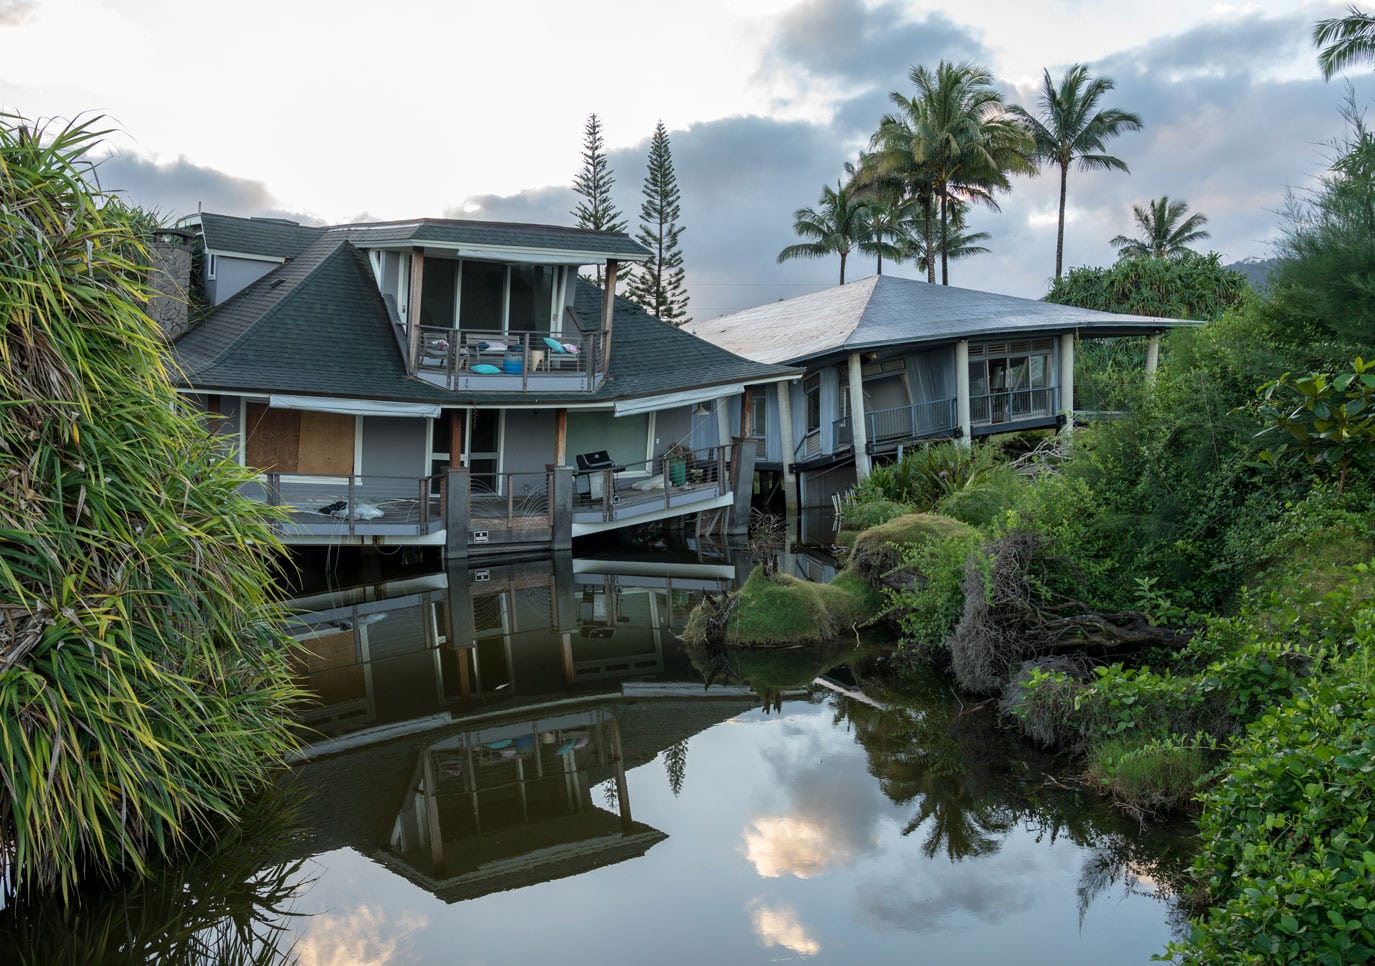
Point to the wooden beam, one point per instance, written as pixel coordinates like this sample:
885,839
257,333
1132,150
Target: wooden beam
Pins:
747,413
608,311
413,309
457,417
560,437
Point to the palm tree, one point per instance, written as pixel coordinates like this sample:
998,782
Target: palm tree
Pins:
955,134
838,226
1067,128
1344,41
958,243
1165,232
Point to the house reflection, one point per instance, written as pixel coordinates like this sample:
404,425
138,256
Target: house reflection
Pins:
495,638
511,805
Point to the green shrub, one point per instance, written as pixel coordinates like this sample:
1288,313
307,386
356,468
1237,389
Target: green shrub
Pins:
931,607
860,514
1288,845
783,610
880,549
928,473
986,500
1152,777
144,687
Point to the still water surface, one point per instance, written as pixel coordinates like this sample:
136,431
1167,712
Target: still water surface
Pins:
522,765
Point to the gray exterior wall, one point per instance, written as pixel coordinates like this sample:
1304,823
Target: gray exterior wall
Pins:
672,426
528,447
395,446
233,275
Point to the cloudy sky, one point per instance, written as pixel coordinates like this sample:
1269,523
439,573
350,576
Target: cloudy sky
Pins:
334,111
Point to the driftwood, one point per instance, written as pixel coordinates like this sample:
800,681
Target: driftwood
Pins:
1010,615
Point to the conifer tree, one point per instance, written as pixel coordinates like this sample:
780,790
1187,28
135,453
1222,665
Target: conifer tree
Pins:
657,283
596,210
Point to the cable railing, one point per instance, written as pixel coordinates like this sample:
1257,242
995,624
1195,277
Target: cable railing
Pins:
645,485
351,505
495,361
1011,405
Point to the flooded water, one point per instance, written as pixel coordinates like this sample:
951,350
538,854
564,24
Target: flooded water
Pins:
523,764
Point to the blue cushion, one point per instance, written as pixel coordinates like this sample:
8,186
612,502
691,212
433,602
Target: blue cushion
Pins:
556,347
484,369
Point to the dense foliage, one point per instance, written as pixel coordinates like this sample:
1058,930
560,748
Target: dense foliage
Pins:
1191,286
142,683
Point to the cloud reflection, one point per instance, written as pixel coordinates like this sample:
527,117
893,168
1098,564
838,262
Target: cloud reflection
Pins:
779,926
363,937
793,845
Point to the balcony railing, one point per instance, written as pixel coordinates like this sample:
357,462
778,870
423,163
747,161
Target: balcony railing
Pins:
332,506
480,361
672,479
1012,405
808,446
841,434
918,420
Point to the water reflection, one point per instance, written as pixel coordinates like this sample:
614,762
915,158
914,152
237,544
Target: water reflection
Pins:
522,764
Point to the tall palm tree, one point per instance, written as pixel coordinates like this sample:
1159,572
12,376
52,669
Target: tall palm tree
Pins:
959,242
1165,232
1067,128
1344,41
889,208
956,133
837,227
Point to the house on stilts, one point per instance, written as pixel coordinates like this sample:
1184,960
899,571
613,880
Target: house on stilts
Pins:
891,362
456,384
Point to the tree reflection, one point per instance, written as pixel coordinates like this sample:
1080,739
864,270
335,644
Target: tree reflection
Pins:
225,902
972,782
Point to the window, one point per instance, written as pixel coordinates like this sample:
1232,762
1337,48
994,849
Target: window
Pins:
1010,380
811,389
759,412
211,265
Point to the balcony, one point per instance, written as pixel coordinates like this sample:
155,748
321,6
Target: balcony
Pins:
1030,406
917,421
466,360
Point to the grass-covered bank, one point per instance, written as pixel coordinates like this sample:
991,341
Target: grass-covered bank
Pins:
143,687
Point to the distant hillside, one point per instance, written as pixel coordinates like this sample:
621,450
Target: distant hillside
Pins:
1256,270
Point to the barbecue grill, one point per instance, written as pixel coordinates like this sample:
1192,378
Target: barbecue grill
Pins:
590,479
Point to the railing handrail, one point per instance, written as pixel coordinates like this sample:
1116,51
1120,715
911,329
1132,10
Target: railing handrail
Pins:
457,345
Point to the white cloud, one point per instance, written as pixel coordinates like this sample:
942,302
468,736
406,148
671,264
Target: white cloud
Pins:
778,925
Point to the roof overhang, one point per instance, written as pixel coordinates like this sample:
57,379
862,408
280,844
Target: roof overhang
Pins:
504,253
353,407
689,397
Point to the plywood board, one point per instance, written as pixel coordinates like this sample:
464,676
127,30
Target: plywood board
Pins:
326,444
273,438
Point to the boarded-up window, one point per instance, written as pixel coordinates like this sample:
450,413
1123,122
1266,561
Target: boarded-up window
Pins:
292,441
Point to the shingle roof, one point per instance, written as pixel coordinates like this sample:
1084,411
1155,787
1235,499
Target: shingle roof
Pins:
883,310
257,236
317,325
446,231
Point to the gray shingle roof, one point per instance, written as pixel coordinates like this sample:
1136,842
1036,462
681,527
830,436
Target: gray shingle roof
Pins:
884,311
317,325
257,236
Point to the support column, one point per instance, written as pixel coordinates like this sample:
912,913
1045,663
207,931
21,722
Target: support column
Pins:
747,412
962,416
722,420
413,309
560,436
1152,353
456,514
1067,378
560,507
608,312
785,432
742,485
859,429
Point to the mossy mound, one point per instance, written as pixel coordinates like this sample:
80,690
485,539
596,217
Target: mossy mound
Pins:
776,610
879,549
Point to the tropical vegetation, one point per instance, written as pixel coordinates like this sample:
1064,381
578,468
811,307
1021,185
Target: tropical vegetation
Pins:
840,224
1069,127
144,687
1166,230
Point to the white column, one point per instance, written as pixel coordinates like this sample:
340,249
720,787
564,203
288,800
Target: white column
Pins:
1067,378
962,392
859,432
723,433
785,431
1152,353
